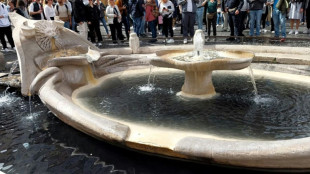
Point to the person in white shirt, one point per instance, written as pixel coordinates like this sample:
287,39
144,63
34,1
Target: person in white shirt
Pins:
166,9
64,12
35,10
49,10
5,28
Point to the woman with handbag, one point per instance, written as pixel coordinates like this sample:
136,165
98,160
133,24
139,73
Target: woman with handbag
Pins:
114,21
211,16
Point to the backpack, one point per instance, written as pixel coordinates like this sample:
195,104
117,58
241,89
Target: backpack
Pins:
57,8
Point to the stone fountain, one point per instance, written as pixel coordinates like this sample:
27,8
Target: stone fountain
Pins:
199,64
62,65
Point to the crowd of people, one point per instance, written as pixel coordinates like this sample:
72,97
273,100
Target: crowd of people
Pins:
162,16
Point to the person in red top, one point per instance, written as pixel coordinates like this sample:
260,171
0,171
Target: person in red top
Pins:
150,18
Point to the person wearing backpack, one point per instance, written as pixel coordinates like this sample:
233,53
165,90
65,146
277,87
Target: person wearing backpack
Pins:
64,12
5,28
36,10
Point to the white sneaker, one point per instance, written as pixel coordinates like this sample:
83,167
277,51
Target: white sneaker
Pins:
165,40
272,31
170,41
291,32
174,28
14,48
185,41
296,32
306,31
99,44
5,50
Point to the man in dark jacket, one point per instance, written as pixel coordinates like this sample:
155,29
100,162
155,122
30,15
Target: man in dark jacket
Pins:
306,8
136,8
233,7
80,17
256,10
36,10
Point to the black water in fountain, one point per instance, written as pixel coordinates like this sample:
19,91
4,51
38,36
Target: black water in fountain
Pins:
40,144
280,111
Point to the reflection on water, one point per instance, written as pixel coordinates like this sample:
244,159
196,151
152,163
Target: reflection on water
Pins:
40,143
280,111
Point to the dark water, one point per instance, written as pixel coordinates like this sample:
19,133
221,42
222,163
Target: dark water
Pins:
40,143
280,111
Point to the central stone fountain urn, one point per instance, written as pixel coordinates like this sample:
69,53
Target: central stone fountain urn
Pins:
199,64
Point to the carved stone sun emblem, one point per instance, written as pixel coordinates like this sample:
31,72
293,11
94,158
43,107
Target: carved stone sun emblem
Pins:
47,35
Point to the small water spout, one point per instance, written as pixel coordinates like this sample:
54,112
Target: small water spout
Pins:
14,66
29,100
253,80
199,41
150,73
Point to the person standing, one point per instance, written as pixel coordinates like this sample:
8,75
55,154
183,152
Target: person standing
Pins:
114,21
151,6
35,10
211,16
189,9
80,17
295,15
199,13
63,11
233,8
122,6
256,10
136,8
5,28
92,18
306,8
49,10
166,9
102,9
279,17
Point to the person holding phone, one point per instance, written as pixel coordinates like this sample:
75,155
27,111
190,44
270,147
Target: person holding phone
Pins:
166,9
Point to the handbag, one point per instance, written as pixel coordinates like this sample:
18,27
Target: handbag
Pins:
155,12
210,15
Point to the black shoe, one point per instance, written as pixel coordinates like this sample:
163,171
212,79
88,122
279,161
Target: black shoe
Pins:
230,39
153,40
114,41
237,40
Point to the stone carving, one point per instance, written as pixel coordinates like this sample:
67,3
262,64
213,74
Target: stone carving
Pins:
47,35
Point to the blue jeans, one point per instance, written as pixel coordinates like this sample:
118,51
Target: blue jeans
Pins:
142,24
219,19
153,28
255,19
104,24
137,25
67,25
199,17
279,19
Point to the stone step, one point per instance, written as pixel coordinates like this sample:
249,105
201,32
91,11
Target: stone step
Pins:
282,58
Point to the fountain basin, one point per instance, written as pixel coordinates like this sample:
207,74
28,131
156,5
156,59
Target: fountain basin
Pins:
190,145
198,73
